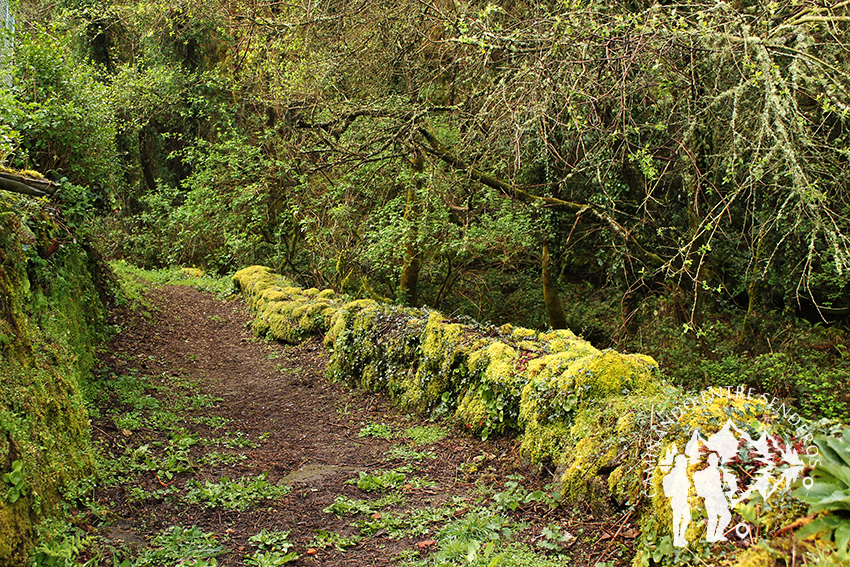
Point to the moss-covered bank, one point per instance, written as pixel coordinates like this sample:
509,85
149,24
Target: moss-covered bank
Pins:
603,419
52,316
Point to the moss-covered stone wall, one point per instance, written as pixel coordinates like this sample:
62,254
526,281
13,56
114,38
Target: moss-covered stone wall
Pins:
574,406
598,416
52,316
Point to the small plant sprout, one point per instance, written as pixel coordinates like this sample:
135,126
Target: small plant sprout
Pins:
379,430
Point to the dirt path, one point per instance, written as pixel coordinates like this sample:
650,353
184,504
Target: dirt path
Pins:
202,425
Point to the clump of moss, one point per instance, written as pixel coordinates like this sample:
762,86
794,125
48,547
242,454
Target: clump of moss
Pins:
284,311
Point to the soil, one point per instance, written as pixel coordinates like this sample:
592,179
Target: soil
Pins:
303,432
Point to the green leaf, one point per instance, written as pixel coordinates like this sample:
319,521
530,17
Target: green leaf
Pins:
817,526
842,538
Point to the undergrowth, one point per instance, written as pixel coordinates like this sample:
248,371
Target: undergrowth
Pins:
135,280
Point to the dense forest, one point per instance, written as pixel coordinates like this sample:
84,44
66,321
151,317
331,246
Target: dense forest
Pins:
659,177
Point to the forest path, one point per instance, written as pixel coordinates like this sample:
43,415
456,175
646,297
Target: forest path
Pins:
200,424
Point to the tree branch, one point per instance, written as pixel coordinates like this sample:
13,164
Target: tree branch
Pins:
25,185
436,148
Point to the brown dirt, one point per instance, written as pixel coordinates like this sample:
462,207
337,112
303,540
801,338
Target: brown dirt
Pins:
305,435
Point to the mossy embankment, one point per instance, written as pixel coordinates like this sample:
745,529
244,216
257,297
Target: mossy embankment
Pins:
598,417
53,290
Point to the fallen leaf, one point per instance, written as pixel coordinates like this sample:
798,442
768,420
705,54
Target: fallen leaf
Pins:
126,432
376,516
312,551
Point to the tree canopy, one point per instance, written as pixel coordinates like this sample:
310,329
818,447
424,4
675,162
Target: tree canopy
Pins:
477,157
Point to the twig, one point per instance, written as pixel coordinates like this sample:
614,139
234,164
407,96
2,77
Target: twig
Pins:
615,536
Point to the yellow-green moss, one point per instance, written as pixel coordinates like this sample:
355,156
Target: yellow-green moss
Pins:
564,340
495,361
16,533
52,325
285,312
709,414
443,350
584,461
759,556
471,411
340,320
542,442
253,279
520,334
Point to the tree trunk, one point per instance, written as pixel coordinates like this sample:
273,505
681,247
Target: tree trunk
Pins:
409,281
557,317
146,161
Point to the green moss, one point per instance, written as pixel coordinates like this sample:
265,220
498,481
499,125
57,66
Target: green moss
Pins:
563,340
285,312
16,533
54,316
472,410
519,334
442,361
542,442
759,556
253,279
708,415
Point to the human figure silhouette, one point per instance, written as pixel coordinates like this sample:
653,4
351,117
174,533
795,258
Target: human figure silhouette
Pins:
676,486
707,484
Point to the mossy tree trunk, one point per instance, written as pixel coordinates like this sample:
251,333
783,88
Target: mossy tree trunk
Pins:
554,308
409,281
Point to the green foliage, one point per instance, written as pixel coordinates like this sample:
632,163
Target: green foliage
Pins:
406,453
16,481
425,434
234,494
474,535
228,175
270,558
829,494
176,459
274,549
60,545
128,276
379,430
515,496
391,479
553,538
804,374
324,539
64,117
178,545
